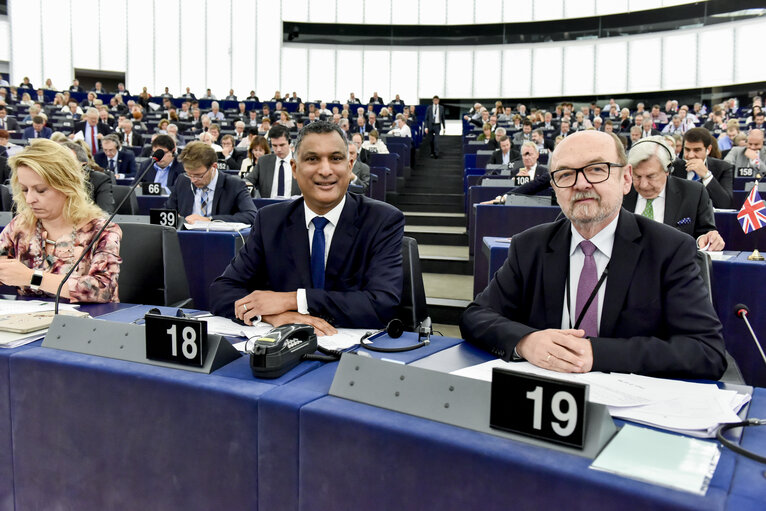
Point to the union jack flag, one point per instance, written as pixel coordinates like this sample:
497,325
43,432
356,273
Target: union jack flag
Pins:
752,216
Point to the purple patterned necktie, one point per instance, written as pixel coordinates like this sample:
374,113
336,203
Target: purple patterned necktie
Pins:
588,281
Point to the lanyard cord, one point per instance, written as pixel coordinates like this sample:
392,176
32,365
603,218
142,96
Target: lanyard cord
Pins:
589,301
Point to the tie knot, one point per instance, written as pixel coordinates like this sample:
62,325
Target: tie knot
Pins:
205,189
320,222
587,248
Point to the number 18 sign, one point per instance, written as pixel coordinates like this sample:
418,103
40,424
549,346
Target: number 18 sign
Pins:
539,407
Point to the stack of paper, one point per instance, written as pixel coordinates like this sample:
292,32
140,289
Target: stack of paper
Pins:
10,310
693,409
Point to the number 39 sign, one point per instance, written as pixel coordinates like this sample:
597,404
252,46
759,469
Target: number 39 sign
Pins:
539,407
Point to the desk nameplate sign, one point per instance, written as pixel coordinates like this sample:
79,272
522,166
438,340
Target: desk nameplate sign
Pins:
522,180
180,341
544,408
164,217
151,189
447,398
745,172
127,341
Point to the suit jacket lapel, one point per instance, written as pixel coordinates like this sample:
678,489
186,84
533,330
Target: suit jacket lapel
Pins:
555,269
342,241
625,254
267,178
218,192
298,241
673,200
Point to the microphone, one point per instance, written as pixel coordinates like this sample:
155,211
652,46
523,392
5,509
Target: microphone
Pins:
156,156
741,311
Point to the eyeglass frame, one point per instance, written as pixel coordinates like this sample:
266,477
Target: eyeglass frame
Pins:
201,176
581,170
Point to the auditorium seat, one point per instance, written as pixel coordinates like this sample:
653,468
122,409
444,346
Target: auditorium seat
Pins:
152,270
412,309
131,205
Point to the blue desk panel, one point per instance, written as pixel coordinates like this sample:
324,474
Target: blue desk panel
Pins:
387,460
280,414
6,451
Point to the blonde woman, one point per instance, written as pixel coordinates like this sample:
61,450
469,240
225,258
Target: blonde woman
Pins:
56,220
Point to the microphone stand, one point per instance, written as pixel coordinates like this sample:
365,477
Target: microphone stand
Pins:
155,157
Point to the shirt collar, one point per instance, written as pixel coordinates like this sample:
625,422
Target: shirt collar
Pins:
286,158
333,216
604,239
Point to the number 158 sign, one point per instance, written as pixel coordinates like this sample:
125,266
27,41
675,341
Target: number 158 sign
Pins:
539,407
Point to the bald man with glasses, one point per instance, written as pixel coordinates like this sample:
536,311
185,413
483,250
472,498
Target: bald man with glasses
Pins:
601,289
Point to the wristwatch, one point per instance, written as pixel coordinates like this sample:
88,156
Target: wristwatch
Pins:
37,279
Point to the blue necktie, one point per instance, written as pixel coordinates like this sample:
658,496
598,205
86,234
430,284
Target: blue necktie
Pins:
317,252
281,183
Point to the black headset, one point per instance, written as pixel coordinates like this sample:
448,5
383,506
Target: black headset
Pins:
395,329
670,154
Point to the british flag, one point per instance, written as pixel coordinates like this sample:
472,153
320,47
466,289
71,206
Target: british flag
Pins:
752,216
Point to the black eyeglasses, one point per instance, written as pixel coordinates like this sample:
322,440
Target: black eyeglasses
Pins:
593,173
198,176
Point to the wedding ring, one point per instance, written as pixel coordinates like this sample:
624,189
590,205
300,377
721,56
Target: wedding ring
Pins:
244,306
549,358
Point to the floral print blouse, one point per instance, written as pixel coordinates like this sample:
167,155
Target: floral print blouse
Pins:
95,279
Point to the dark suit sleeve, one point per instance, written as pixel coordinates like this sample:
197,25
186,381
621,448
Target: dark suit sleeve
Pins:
172,202
241,207
375,304
488,321
692,342
131,160
720,188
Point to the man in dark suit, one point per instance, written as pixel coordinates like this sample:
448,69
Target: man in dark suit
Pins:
167,169
376,100
697,164
91,130
679,203
38,129
113,158
7,122
203,194
506,154
530,177
271,176
360,172
329,259
434,123
360,126
653,315
128,136
75,87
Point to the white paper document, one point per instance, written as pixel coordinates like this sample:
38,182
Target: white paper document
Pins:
694,409
24,306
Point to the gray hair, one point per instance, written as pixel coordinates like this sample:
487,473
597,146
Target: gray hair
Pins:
649,147
78,150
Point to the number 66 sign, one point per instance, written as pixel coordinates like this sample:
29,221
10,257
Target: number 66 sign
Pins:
539,407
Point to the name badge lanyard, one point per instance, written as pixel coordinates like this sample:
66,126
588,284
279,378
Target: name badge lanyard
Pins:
588,302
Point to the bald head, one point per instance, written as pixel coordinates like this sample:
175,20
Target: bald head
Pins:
755,140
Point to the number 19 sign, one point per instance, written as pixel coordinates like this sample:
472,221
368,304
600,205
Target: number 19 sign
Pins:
539,407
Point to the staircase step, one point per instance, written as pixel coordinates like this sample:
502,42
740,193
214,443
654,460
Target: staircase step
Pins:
437,234
428,198
434,218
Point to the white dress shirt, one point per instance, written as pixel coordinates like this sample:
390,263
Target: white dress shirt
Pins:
332,216
658,205
604,242
288,179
